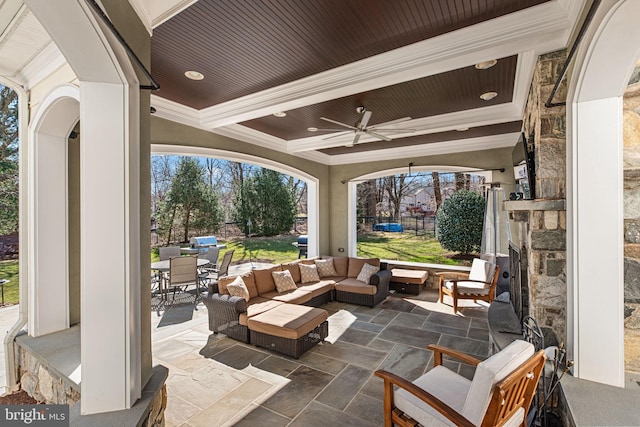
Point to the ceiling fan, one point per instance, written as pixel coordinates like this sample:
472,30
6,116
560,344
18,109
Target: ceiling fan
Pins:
360,127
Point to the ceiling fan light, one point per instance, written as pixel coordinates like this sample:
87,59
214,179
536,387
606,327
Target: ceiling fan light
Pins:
485,65
312,129
488,96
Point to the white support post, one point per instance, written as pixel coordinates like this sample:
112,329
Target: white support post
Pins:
110,266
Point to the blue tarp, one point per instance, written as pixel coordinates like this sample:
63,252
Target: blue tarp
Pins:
389,226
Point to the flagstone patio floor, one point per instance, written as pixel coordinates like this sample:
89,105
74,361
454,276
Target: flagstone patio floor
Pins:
217,381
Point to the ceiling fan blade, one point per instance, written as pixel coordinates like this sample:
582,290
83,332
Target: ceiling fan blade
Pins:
377,135
392,122
337,135
365,119
355,140
338,123
330,130
391,130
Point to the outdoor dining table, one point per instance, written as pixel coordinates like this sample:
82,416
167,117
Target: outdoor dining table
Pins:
164,266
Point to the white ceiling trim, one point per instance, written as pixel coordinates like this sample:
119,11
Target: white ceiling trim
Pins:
438,148
524,73
442,123
43,65
528,29
179,113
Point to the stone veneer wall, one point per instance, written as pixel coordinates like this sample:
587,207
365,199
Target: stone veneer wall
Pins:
541,224
47,386
39,382
631,159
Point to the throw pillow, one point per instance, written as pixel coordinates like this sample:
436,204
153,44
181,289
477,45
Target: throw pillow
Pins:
237,288
284,281
309,273
367,271
326,268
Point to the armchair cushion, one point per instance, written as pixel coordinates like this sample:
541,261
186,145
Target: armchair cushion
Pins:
482,270
448,386
469,288
489,373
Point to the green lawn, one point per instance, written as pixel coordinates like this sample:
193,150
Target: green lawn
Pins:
278,249
394,246
9,270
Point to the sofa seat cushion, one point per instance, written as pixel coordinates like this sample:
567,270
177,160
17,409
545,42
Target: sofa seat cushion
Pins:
355,287
297,296
446,385
288,321
318,288
257,306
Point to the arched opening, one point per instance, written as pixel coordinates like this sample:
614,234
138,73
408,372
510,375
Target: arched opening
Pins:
49,213
312,182
353,192
595,168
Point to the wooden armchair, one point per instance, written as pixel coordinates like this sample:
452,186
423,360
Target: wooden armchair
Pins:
500,393
479,284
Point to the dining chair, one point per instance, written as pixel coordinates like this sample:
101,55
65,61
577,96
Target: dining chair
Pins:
183,272
222,271
167,252
204,272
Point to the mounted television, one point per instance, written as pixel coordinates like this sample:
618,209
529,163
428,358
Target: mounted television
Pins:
524,167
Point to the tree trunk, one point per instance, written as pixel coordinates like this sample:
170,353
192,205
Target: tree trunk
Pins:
436,188
459,181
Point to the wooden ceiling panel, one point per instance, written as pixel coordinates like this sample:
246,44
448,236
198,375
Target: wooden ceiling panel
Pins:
246,46
429,96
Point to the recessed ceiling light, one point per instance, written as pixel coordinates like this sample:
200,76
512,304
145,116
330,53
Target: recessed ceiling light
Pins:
486,64
312,129
488,96
194,75
280,114
462,129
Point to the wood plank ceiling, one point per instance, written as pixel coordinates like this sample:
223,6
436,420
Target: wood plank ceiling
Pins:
243,47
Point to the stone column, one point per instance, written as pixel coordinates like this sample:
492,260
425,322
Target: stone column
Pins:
631,153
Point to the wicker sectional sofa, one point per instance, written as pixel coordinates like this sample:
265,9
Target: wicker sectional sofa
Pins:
263,312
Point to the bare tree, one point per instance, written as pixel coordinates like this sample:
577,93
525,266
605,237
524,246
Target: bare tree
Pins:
437,193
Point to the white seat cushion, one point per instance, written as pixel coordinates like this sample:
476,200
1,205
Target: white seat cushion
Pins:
447,386
469,288
489,373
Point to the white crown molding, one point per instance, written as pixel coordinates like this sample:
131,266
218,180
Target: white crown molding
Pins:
442,123
176,112
140,7
543,25
573,9
43,65
163,10
438,148
524,73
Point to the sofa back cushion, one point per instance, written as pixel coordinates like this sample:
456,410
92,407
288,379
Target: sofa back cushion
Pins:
294,269
356,264
264,279
341,264
248,279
